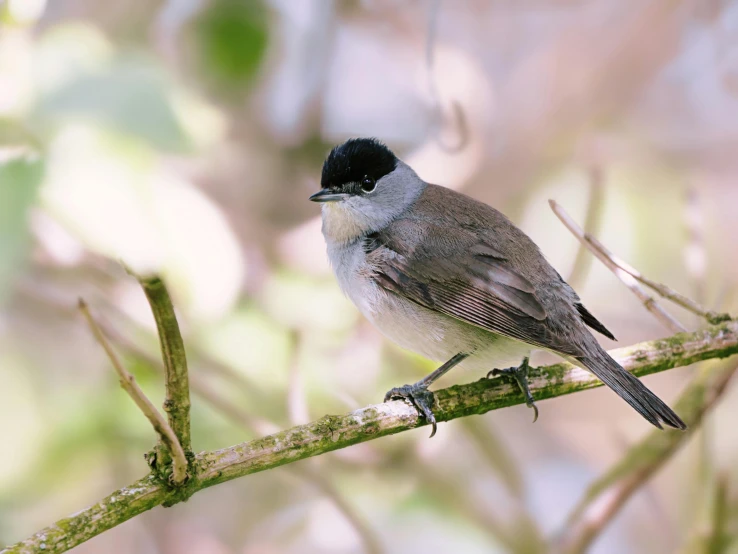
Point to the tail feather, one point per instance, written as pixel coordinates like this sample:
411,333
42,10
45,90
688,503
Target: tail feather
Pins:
630,389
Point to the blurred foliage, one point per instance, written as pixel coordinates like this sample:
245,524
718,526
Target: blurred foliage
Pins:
19,181
185,136
230,38
130,95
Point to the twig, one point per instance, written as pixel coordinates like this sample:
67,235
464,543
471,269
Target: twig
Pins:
625,276
719,537
440,484
608,494
367,535
128,382
256,425
497,455
334,432
501,460
592,221
628,275
259,426
675,297
177,402
209,363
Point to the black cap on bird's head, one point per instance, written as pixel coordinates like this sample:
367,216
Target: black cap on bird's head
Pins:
354,167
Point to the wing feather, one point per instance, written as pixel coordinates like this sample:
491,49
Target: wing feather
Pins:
476,286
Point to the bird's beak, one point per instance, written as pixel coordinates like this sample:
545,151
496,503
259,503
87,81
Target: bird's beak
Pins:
325,195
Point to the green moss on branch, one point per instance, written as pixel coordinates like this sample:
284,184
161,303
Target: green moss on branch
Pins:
335,432
177,401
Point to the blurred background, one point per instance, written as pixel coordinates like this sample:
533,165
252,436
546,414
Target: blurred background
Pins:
184,137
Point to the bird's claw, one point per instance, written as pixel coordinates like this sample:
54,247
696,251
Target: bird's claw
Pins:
520,374
420,397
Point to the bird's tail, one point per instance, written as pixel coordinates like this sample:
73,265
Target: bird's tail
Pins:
630,389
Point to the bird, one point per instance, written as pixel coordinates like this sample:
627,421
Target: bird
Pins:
454,280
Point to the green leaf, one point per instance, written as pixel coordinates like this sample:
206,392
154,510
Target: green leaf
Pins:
231,38
19,180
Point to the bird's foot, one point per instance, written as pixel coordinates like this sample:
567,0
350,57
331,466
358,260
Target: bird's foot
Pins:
420,397
520,374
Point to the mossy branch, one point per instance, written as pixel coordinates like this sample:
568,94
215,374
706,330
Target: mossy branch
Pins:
334,432
176,378
128,382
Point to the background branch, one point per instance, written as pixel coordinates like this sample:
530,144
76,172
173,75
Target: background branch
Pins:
128,382
201,386
665,291
606,496
592,223
334,432
629,275
608,259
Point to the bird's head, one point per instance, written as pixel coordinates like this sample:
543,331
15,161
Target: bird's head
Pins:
364,186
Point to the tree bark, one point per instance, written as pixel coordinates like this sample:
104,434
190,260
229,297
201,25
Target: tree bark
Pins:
334,432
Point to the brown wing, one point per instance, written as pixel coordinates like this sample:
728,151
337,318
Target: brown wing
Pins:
475,285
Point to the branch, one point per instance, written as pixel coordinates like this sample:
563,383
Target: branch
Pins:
128,382
177,402
630,276
606,496
607,258
256,425
334,432
369,538
670,294
592,223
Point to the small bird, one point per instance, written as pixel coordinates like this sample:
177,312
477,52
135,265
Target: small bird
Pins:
453,279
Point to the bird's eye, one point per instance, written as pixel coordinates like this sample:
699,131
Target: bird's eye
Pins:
368,184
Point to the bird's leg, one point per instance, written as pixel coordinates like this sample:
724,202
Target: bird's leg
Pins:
418,393
520,374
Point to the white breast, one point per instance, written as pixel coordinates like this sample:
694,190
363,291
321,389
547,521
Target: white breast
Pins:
429,333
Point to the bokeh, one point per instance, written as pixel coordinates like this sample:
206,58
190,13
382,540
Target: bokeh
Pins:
183,137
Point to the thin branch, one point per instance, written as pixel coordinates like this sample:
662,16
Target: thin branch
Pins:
257,425
334,432
606,496
501,460
668,293
626,277
210,364
369,538
498,456
592,221
711,523
177,402
719,536
128,382
439,484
